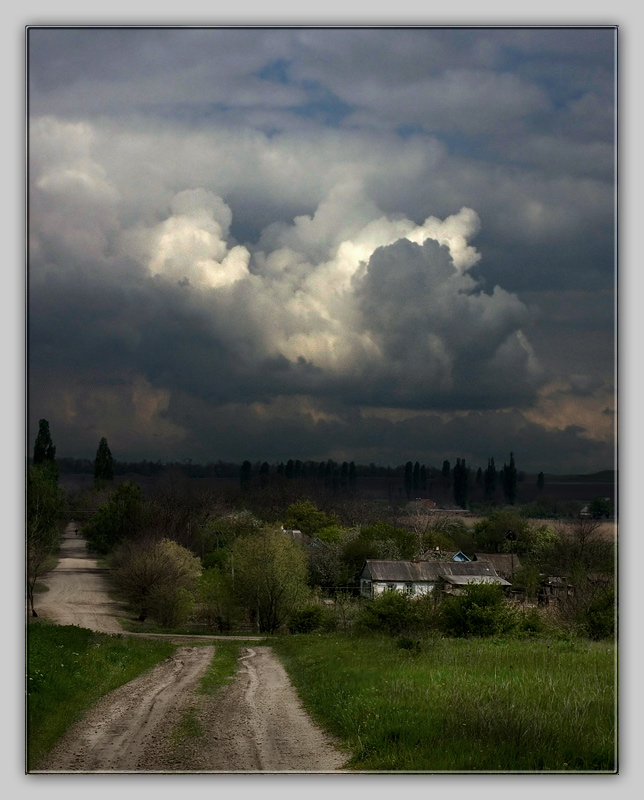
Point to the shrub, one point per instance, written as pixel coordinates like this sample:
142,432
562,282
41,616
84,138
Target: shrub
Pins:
480,611
598,619
156,578
306,620
390,612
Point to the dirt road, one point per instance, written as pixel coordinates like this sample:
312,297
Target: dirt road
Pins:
158,723
78,590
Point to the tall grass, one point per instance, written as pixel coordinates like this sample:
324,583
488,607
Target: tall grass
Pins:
461,705
69,669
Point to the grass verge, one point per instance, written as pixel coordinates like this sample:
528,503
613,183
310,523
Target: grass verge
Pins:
69,669
461,705
222,668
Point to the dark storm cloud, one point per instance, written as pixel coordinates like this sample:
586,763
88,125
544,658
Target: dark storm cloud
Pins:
226,222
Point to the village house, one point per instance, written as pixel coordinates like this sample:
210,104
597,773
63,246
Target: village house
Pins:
417,578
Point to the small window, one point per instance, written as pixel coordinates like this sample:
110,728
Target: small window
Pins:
409,588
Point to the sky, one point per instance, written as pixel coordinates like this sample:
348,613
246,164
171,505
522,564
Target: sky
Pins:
367,244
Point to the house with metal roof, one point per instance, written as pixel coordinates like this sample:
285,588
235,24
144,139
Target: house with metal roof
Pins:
417,578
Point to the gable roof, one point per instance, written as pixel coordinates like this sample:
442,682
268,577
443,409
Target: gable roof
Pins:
503,563
424,571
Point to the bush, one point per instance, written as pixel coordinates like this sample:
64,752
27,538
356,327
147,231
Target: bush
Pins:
306,620
390,612
598,619
480,611
156,578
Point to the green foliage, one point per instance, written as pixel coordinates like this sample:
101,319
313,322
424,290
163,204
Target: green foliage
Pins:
378,541
270,577
221,532
491,533
304,516
600,507
157,579
480,611
45,507
390,612
460,705
214,599
307,619
528,580
103,464
120,517
69,669
598,619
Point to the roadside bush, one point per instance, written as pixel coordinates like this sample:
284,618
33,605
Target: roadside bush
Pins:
598,620
391,612
480,611
530,622
156,578
306,620
313,618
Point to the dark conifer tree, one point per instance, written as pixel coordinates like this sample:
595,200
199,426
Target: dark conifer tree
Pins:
489,481
245,474
510,481
103,464
264,473
423,478
353,477
416,477
479,477
541,480
44,449
409,478
461,477
289,472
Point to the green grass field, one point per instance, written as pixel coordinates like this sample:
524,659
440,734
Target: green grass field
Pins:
69,669
461,705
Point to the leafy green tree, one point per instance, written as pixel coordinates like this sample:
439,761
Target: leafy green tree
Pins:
214,599
103,464
270,572
600,507
157,579
306,517
45,509
491,533
119,518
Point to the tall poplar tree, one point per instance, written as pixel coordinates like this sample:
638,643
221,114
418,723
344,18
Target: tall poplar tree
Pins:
103,464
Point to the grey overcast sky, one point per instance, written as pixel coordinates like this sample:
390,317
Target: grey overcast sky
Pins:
361,244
